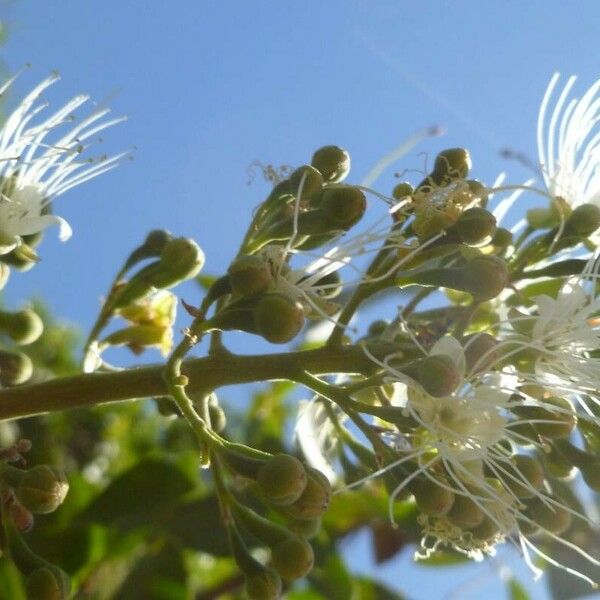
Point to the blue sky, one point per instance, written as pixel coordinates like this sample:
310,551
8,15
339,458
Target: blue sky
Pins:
210,86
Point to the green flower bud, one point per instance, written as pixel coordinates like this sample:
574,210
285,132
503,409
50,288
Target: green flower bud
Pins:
237,315
478,190
343,205
249,275
402,190
550,517
590,471
47,583
480,351
531,470
557,464
314,500
450,164
484,277
549,423
313,182
153,245
332,162
486,530
587,463
584,220
376,328
23,327
465,513
439,375
282,479
180,259
476,226
278,318
502,239
432,499
307,528
293,558
42,489
15,368
542,218
263,585
528,528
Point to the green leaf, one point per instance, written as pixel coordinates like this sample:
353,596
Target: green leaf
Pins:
516,591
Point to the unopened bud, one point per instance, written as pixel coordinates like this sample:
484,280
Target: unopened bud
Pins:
42,489
542,218
451,164
465,513
550,423
264,584
249,275
548,515
332,162
343,205
502,239
486,530
432,499
480,351
528,469
584,220
24,326
278,318
20,517
314,500
402,190
293,558
476,226
47,583
484,277
439,375
22,258
557,464
15,368
307,528
312,184
180,259
282,479
377,328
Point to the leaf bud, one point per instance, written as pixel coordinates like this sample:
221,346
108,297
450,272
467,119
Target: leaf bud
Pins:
282,479
439,375
332,162
293,558
402,190
548,515
313,182
264,584
475,226
15,368
47,583
465,513
278,318
432,499
343,205
23,327
42,489
525,467
249,275
584,220
314,500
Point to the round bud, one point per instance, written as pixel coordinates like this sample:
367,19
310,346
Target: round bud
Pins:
439,375
307,528
15,368
485,277
332,162
486,530
480,351
180,259
530,470
478,190
293,558
402,190
376,328
313,182
548,516
282,479
502,239
42,489
249,275
314,500
263,585
528,527
432,499
476,226
561,422
465,513
47,583
20,517
453,163
278,318
558,465
343,205
156,240
23,327
584,220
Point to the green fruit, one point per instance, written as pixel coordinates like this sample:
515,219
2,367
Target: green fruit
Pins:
476,226
343,206
282,479
249,275
278,318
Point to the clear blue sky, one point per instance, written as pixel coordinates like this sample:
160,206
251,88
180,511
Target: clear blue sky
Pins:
212,86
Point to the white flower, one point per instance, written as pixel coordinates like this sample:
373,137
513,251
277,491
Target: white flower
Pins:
569,144
34,170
